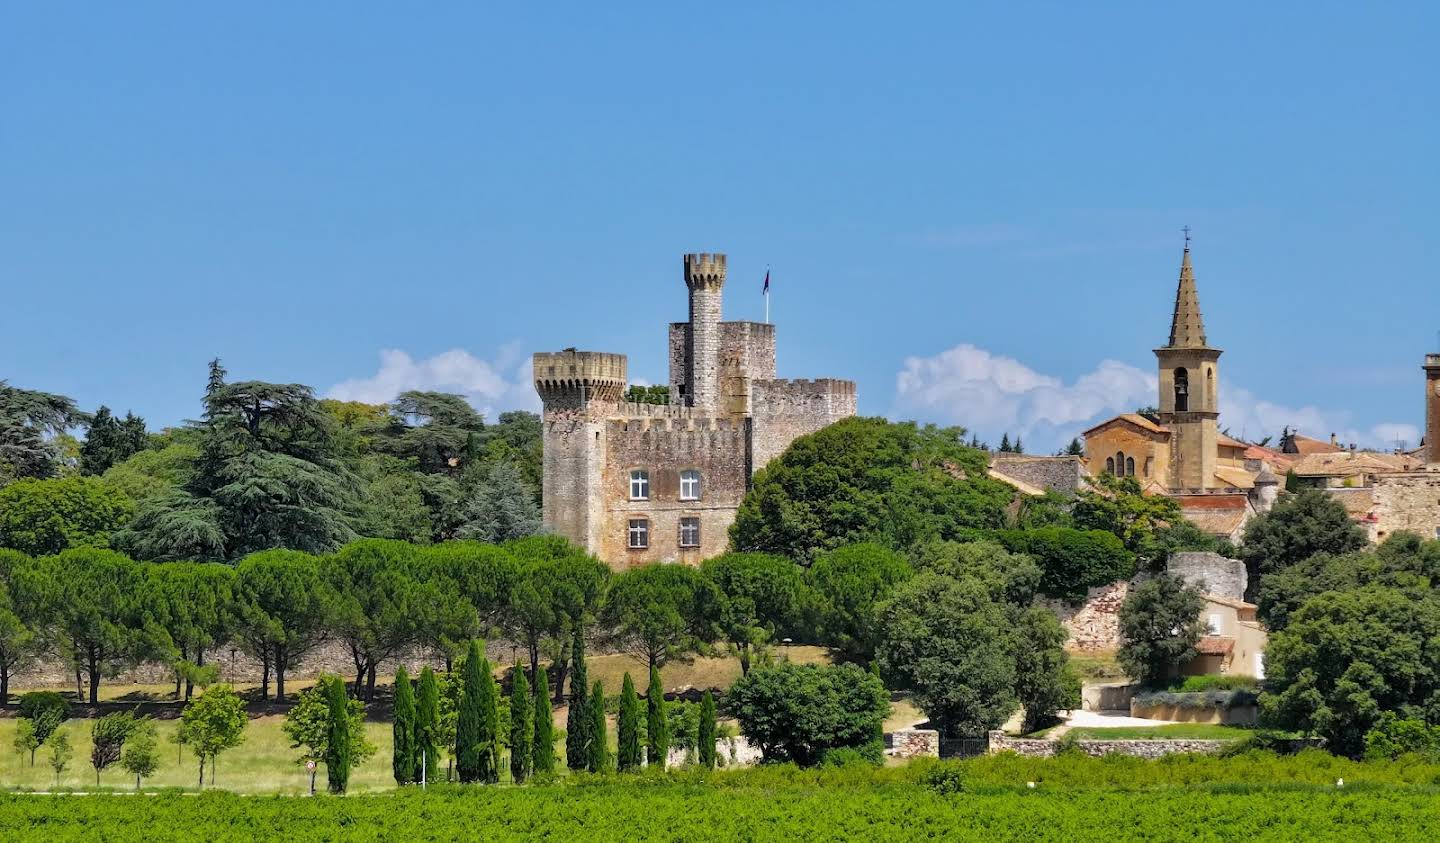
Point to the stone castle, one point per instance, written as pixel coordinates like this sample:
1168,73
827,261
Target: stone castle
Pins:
635,483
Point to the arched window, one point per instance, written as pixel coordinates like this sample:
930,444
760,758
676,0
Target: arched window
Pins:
1109,465
639,485
1182,390
1120,463
1210,388
690,485
1130,466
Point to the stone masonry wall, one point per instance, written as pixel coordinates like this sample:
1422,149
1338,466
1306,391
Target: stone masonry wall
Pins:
1063,474
785,410
1094,624
1000,742
749,348
1210,572
915,743
1409,501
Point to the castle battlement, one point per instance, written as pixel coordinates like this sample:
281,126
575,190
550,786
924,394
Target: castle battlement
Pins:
663,425
634,409
705,269
570,378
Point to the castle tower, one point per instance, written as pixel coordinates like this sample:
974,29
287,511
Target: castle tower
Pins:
578,389
705,276
1432,408
1188,384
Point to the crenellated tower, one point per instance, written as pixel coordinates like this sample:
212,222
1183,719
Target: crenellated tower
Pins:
579,391
1189,404
705,278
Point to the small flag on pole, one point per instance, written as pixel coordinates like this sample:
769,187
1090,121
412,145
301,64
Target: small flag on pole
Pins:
766,288
765,291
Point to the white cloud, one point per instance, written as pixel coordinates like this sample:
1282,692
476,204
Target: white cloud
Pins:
502,383
992,394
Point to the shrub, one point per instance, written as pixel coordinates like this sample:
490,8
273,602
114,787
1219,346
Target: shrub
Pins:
1393,737
1071,561
35,704
1211,682
800,712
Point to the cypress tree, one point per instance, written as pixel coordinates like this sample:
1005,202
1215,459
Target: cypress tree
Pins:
657,730
706,737
404,760
488,742
427,725
522,728
627,756
544,743
337,739
577,722
467,719
598,760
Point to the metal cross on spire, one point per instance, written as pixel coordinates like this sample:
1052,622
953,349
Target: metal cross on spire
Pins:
1186,229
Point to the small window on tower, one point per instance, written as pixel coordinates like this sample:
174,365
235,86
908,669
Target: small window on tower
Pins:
639,534
639,485
690,485
690,532
1182,390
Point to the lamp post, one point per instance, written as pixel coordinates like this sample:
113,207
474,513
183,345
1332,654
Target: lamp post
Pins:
786,642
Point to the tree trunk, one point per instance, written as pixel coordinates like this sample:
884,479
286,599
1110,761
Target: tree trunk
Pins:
4,686
370,683
199,662
178,678
534,648
137,781
94,671
202,773
744,660
212,770
79,688
279,673
265,673
562,667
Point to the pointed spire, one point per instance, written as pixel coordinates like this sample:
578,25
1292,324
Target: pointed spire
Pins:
1187,328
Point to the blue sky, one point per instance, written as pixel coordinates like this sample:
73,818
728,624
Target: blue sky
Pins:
972,209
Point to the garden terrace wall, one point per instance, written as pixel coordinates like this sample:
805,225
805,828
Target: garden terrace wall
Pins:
1040,748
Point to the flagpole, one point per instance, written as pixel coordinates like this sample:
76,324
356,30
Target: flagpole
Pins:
767,294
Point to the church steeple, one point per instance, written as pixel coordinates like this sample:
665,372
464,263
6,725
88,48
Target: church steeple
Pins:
1187,328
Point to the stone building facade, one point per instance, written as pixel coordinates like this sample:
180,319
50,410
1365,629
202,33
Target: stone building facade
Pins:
640,483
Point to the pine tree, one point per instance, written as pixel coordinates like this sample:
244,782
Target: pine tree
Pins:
489,740
1075,448
522,726
1019,448
544,744
598,758
404,760
1004,443
468,716
657,729
627,756
577,724
337,743
706,735
427,725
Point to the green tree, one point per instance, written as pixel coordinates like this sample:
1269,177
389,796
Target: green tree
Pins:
1401,561
761,596
21,618
544,742
43,712
597,756
92,601
1071,561
849,583
428,736
60,753
468,726
577,721
371,603
1044,681
195,603
1159,626
659,612
212,723
110,441
500,505
800,712
30,424
952,645
151,474
141,757
657,733
1346,657
522,727
434,429
557,586
1118,505
403,760
1007,577
1297,527
337,740
282,597
1076,448
307,726
491,735
44,517
868,479
467,587
107,739
1393,736
627,753
26,741
705,738
1005,446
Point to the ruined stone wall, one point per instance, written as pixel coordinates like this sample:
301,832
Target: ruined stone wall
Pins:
1210,572
1037,748
1408,501
785,410
1063,474
717,448
1093,624
915,743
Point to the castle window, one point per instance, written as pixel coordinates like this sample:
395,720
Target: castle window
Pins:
1182,390
690,532
639,485
1129,466
1109,465
639,534
690,485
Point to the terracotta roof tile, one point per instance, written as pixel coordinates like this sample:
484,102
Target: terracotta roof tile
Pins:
1214,645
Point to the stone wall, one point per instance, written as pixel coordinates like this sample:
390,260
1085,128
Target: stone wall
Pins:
1094,624
1063,474
1210,572
748,348
1406,501
1036,748
915,743
784,410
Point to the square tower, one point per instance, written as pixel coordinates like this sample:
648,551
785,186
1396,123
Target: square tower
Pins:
1432,408
1189,401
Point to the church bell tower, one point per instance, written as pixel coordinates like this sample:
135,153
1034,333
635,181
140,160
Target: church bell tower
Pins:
1188,388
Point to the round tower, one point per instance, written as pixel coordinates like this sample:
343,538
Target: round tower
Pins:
573,380
705,277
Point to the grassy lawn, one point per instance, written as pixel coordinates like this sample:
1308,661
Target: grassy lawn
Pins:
1201,731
